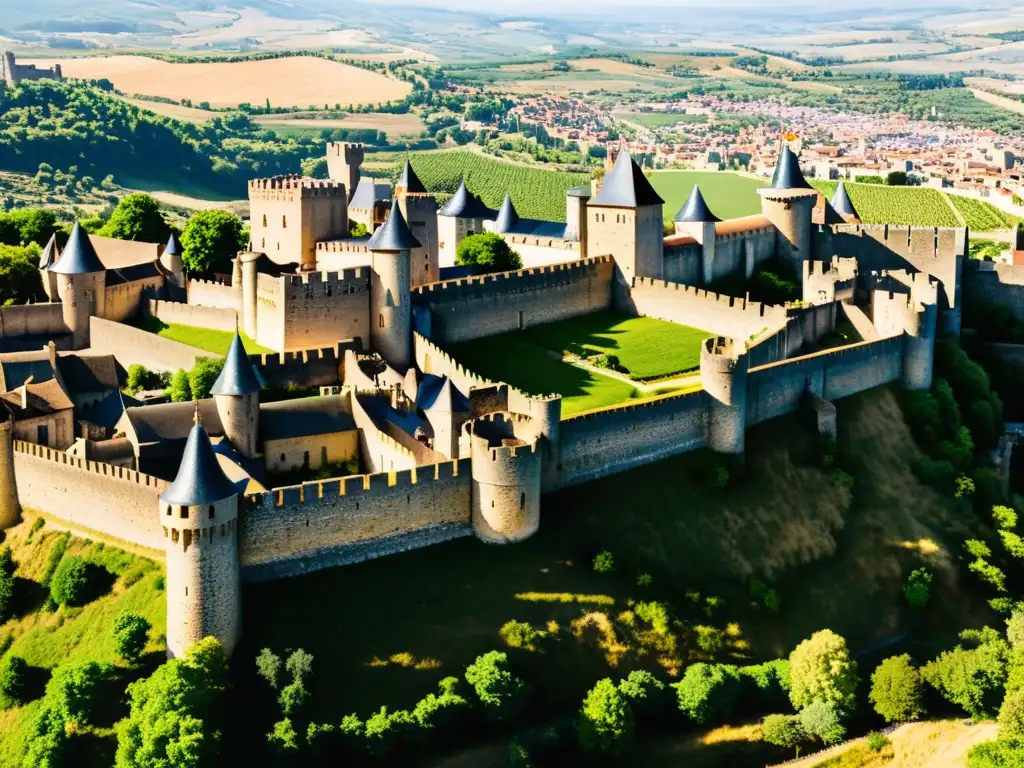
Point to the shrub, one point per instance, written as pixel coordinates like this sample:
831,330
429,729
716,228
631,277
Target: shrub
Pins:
268,666
1012,543
989,574
73,688
821,669
1011,716
711,640
70,583
646,694
783,731
283,738
821,720
1004,517
644,580
916,588
977,548
519,634
179,390
877,741
442,710
1004,753
771,679
131,631
972,678
13,670
1015,627
604,562
606,720
384,731
655,614
202,377
293,697
487,252
765,595
964,487
896,690
708,692
501,692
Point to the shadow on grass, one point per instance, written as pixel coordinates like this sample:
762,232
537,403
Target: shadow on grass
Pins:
36,679
29,596
99,582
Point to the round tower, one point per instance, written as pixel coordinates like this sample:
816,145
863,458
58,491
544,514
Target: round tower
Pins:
81,283
237,394
506,460
248,263
919,345
390,281
723,373
170,260
789,205
10,507
199,517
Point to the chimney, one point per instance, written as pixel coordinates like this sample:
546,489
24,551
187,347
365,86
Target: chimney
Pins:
24,393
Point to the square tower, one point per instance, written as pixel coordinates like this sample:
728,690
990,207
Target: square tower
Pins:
290,214
343,163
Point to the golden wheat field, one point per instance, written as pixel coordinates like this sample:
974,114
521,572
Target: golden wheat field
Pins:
297,81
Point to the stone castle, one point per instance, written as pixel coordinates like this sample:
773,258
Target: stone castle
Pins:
12,73
443,452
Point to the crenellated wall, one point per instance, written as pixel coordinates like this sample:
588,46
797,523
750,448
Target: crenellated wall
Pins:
295,530
380,452
133,345
189,314
319,308
305,367
32,320
114,501
211,293
126,301
987,282
475,307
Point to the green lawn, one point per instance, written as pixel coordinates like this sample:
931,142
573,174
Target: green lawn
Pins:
201,338
729,195
646,347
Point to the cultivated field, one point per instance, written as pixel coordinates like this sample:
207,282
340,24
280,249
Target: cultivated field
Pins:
729,195
408,125
297,81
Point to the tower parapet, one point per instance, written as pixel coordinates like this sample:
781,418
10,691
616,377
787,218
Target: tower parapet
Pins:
506,470
723,373
343,163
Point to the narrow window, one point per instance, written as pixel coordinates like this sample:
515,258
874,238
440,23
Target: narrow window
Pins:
282,457
382,320
184,513
264,219
168,509
284,222
210,511
522,500
186,591
522,320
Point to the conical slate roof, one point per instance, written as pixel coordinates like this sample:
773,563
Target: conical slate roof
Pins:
507,216
79,257
238,377
365,194
50,253
410,180
695,209
173,246
465,205
449,400
787,172
394,234
842,203
625,186
200,479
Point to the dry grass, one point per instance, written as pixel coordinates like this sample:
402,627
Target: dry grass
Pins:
295,81
395,126
176,111
999,101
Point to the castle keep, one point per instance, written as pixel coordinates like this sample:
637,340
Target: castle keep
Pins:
12,73
441,451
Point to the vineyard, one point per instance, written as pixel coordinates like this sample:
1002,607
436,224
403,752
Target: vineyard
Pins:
981,216
902,206
536,193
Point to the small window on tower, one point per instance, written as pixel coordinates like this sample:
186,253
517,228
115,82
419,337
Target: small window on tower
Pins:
211,511
382,321
264,219
284,222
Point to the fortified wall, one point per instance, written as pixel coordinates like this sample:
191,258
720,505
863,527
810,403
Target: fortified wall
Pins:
12,73
289,215
314,309
987,282
27,326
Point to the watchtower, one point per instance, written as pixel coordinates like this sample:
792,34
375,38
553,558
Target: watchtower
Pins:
170,260
723,372
199,517
420,210
463,215
343,163
789,204
7,72
81,284
236,393
390,302
10,507
289,215
696,220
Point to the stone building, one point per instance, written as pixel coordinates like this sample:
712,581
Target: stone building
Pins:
12,73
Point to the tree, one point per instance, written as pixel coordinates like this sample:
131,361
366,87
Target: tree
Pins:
137,217
210,240
175,713
131,632
27,225
501,692
821,719
268,666
284,739
70,582
646,694
140,378
771,679
1015,627
896,690
1011,716
708,692
487,252
916,588
180,390
72,691
971,678
606,720
1005,518
783,731
821,669
20,281
293,697
1004,753
896,179
6,587
13,670
203,376
299,664
385,730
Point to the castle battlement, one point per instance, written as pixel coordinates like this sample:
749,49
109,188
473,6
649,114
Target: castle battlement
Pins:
732,302
293,187
338,148
95,467
640,407
352,278
833,352
270,361
343,246
934,242
558,243
466,287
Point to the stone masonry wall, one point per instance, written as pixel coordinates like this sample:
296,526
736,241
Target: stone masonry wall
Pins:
133,345
989,283
208,293
683,263
320,308
379,451
476,307
218,319
32,320
318,525
111,500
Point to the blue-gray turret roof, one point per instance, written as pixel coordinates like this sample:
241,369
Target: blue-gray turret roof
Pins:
410,180
368,191
787,172
625,186
465,205
79,257
507,216
200,479
50,253
238,377
842,203
394,234
695,209
173,246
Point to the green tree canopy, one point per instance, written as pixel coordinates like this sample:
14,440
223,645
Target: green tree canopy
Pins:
897,689
20,281
499,690
210,240
821,719
202,377
708,692
131,632
783,731
487,252
70,582
27,225
1011,716
606,720
137,217
971,678
821,669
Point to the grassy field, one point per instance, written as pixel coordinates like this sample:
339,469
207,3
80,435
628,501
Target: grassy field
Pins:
201,338
404,126
729,195
46,639
646,347
838,560
296,81
982,216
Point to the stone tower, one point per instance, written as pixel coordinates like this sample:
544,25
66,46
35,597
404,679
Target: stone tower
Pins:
343,162
576,200
81,284
289,215
464,214
244,268
420,211
10,507
696,220
237,394
170,260
919,331
199,517
390,303
7,72
723,372
789,205
624,220
506,466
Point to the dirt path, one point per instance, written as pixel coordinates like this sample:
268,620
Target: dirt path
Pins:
648,387
999,101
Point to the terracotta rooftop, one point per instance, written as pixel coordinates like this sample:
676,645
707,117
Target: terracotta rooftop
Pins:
742,224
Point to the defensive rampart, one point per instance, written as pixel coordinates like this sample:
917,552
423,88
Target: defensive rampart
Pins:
189,314
987,282
380,451
132,345
290,531
212,293
110,500
306,367
319,308
32,320
475,307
